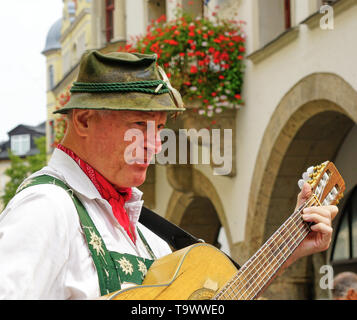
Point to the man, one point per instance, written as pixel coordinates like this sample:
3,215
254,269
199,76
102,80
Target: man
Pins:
345,286
72,230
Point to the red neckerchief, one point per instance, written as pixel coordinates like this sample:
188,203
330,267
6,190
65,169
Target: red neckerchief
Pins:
115,197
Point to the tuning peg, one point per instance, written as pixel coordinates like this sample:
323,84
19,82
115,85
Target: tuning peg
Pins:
301,183
305,176
310,170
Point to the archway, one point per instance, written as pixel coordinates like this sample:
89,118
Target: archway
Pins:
307,127
200,211
200,218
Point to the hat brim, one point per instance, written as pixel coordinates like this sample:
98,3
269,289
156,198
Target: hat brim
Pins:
134,101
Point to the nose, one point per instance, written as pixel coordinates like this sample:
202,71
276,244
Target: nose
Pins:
153,143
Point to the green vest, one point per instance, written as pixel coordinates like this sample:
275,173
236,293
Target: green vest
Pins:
113,268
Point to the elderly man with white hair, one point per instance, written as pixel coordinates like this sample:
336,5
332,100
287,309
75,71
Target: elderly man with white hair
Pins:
72,230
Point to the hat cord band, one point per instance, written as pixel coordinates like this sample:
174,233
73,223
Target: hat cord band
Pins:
152,87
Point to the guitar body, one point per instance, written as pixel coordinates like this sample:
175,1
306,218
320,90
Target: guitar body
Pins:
201,271
196,272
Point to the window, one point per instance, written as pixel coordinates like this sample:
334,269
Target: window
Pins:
109,19
345,244
71,8
20,144
66,62
342,245
52,134
287,11
274,19
51,77
156,9
195,8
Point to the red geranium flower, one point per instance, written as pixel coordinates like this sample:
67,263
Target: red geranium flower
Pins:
193,69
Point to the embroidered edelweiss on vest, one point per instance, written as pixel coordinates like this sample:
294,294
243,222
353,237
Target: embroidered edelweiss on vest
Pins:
142,267
96,242
125,265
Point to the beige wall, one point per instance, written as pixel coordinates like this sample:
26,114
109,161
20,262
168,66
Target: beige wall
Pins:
266,83
136,21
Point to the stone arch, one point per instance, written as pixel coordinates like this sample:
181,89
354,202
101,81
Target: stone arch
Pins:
202,192
315,95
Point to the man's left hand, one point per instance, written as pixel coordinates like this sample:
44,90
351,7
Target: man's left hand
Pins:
319,238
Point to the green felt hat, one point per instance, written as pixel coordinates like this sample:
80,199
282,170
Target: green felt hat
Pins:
122,81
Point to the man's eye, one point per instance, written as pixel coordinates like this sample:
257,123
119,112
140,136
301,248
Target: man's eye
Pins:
141,123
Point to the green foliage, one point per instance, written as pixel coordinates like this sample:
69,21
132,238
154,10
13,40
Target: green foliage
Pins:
22,168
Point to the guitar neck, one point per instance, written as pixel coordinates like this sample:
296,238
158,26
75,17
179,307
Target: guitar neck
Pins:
255,274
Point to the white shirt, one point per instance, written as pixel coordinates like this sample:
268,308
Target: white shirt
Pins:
43,252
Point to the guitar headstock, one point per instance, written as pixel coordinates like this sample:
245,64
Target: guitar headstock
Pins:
326,183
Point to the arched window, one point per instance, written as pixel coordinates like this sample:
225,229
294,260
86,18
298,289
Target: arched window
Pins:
344,248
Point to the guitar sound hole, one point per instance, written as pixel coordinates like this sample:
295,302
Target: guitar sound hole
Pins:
202,294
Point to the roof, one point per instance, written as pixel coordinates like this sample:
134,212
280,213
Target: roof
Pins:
22,128
35,131
53,37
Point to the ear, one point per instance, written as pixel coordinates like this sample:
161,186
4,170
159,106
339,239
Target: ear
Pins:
82,119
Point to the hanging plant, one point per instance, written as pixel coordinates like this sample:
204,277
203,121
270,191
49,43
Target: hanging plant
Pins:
60,122
202,57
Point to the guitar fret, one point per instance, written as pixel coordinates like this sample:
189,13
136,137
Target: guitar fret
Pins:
255,274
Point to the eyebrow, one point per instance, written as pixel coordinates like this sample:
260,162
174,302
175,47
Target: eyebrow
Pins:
144,116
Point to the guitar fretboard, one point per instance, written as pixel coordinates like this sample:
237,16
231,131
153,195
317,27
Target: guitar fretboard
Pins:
256,273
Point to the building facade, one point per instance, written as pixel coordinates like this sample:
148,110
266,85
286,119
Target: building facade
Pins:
300,110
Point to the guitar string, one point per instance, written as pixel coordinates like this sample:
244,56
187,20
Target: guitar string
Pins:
281,260
283,257
243,269
255,271
284,250
229,286
272,252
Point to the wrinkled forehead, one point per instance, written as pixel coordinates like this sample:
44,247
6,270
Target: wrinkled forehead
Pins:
137,115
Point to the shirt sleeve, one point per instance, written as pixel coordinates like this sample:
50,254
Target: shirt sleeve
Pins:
34,243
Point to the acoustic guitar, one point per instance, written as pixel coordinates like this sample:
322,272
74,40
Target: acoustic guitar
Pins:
202,272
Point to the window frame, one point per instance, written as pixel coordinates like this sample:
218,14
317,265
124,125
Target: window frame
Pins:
109,23
287,14
20,141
